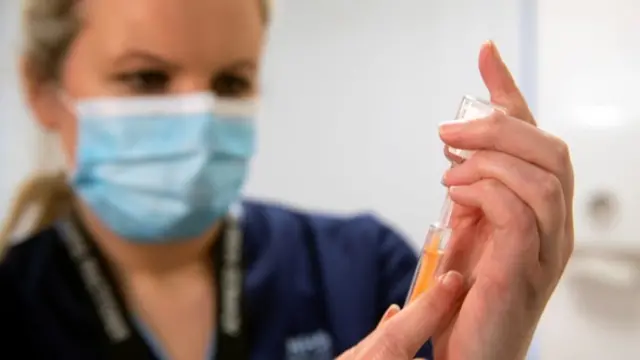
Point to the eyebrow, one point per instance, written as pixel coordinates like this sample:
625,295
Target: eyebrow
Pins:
237,65
241,65
146,56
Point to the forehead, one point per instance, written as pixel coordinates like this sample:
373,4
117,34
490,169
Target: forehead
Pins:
187,29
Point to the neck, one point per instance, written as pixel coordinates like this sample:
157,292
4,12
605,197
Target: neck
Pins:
131,259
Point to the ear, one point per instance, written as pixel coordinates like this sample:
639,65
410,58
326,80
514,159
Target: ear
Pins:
41,96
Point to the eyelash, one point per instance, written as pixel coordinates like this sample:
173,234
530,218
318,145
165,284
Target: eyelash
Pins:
158,81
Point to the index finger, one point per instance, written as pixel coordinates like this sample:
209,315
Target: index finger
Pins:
411,328
501,85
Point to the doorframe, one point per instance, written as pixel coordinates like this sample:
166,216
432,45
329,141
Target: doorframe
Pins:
529,51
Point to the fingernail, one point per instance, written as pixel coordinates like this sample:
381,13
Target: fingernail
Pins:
494,49
391,311
445,176
449,280
393,308
488,43
450,127
460,153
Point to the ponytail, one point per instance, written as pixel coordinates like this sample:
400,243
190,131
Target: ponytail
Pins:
48,196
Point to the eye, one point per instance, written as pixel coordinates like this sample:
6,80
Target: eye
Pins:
146,81
230,85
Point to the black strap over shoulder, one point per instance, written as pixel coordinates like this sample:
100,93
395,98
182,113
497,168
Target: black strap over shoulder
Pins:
125,343
232,329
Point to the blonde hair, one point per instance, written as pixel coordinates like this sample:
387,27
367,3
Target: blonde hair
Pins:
49,27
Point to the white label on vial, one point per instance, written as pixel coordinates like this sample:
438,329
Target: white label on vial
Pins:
470,112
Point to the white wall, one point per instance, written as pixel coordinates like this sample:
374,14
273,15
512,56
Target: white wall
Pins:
588,75
17,132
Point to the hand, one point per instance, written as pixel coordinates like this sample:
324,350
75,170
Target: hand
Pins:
512,223
401,333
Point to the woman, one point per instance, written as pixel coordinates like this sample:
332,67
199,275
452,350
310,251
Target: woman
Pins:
141,251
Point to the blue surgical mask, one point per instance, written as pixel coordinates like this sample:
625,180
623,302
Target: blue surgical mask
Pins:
165,168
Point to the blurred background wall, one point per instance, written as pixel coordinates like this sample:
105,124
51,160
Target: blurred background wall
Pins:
354,90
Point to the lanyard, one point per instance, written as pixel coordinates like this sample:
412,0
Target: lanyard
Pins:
107,300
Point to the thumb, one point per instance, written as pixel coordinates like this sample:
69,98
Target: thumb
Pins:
401,336
501,85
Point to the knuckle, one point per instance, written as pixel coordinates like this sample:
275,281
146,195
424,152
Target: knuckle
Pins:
490,185
524,219
550,187
562,156
520,216
494,123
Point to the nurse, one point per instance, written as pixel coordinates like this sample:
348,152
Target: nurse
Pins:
143,249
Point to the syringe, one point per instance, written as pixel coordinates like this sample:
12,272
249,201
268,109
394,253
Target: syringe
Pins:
432,250
439,232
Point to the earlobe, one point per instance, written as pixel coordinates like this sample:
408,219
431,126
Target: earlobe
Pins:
39,95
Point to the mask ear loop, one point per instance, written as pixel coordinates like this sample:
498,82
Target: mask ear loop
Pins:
67,101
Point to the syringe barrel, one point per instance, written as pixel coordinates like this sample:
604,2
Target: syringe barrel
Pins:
429,261
445,213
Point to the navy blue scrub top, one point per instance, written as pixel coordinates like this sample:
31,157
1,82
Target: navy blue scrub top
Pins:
293,312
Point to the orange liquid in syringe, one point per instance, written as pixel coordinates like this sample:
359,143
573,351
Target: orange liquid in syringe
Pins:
429,260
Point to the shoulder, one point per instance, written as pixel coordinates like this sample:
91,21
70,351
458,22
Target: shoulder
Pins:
30,269
359,249
361,233
24,274
44,307
25,262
